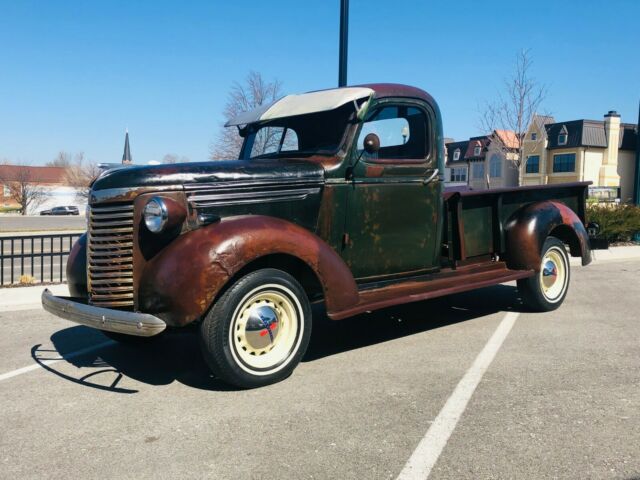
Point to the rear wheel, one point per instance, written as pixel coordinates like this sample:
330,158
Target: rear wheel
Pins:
546,290
258,330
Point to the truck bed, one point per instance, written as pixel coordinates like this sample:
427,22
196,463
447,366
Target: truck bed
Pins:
475,220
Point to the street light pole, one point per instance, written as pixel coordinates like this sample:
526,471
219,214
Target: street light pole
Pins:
636,177
344,38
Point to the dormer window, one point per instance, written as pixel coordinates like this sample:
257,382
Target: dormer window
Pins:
456,155
534,136
562,136
477,150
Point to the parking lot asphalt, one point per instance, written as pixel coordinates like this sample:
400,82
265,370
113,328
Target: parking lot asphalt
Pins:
561,398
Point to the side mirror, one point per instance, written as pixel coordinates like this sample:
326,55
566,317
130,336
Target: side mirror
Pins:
371,143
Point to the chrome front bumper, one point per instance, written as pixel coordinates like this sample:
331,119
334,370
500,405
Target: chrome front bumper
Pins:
119,321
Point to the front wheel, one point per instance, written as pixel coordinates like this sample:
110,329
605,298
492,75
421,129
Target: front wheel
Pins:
257,332
546,290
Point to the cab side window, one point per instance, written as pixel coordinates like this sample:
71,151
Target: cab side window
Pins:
402,131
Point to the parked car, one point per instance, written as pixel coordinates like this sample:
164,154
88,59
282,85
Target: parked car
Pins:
71,210
337,196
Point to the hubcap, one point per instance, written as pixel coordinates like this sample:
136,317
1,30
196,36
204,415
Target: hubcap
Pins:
262,329
553,275
266,329
549,274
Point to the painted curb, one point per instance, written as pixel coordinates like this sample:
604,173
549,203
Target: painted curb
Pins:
615,254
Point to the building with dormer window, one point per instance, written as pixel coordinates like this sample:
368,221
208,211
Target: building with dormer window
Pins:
486,161
600,151
457,168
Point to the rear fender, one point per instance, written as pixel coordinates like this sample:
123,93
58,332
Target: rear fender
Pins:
181,282
527,229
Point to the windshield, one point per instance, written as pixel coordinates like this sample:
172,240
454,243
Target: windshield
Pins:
314,133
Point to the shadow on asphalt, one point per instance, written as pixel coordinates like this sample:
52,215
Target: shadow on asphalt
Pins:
333,337
176,356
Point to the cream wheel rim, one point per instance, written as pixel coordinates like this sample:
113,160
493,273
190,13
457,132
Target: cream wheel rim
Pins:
553,274
266,329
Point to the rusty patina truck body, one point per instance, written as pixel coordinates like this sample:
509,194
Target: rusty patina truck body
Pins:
336,196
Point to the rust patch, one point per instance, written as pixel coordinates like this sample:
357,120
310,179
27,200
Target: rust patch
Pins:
147,244
528,228
434,285
183,279
374,170
325,215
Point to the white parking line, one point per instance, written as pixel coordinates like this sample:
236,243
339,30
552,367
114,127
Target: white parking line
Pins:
430,447
68,356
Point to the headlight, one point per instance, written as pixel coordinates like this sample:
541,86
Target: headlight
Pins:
155,215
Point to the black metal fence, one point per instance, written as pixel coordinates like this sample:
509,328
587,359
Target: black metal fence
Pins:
33,259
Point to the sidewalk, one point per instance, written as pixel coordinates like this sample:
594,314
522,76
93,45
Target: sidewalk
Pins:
28,298
613,254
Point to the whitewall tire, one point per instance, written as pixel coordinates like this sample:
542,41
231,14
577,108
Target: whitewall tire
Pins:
258,330
547,289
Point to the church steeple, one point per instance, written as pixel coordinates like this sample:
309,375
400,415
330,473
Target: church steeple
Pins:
126,156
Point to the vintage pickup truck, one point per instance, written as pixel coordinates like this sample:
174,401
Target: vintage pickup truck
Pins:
336,196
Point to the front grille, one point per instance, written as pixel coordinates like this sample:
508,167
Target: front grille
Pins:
110,255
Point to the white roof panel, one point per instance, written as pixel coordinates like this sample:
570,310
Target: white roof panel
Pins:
292,105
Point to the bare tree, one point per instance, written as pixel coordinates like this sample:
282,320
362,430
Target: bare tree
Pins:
23,186
80,174
254,92
173,158
63,159
514,108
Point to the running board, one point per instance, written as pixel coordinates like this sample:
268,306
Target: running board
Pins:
438,285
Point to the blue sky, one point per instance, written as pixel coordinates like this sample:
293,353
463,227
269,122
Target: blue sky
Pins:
75,74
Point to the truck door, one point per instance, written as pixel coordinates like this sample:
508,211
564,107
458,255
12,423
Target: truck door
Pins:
394,204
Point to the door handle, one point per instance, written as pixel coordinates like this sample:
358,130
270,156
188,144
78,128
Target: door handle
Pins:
431,177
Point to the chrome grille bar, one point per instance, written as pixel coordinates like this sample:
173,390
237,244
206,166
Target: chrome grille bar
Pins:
110,255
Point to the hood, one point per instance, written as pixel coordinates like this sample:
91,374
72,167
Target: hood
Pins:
209,172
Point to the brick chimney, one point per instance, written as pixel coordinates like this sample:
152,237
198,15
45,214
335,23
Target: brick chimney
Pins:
609,170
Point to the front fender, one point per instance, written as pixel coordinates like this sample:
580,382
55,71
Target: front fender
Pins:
527,229
180,283
77,268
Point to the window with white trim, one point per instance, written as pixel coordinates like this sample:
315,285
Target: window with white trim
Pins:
562,136
5,191
456,154
534,136
477,150
459,174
